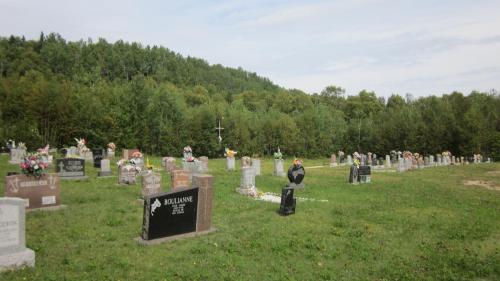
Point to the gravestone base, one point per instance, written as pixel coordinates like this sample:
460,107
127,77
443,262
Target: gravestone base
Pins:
104,174
50,208
83,178
17,260
172,238
247,191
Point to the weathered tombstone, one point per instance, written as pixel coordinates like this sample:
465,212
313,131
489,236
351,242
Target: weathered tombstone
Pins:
71,168
431,160
230,163
374,159
13,251
98,155
349,160
105,168
151,184
110,150
387,161
401,165
452,160
278,168
426,161
368,159
127,174
180,179
256,166
247,182
87,155
39,192
17,155
288,203
333,160
192,168
170,164
203,164
179,213
363,159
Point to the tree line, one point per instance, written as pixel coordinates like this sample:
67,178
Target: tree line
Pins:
150,97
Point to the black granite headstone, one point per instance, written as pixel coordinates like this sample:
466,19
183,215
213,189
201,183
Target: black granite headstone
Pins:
170,213
98,155
70,167
288,203
296,174
364,174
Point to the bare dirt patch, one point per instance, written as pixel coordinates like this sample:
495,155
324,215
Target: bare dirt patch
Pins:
486,184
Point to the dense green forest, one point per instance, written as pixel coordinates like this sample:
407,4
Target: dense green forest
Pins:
52,91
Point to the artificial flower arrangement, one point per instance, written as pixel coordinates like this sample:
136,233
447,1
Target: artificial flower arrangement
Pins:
137,154
278,155
33,165
297,162
43,151
190,159
230,153
129,164
357,159
22,145
111,146
188,149
81,144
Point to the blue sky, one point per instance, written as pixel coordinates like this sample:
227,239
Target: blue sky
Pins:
417,47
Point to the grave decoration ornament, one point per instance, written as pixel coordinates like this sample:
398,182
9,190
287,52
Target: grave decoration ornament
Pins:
188,154
22,145
111,149
81,144
33,165
230,153
296,174
43,151
278,155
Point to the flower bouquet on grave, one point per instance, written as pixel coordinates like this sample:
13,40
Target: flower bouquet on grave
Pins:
33,165
278,155
229,153
129,165
43,151
356,159
111,146
21,145
81,144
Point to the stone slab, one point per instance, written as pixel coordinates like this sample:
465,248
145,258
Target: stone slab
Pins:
17,260
172,238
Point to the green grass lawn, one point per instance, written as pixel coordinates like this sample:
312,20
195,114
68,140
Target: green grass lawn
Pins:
419,225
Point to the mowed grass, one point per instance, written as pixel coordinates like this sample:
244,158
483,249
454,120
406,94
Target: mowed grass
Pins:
419,225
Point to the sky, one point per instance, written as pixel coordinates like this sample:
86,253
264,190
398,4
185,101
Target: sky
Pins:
390,47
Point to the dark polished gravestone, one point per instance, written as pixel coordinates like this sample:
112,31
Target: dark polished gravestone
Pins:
361,174
98,155
71,168
183,212
295,175
288,203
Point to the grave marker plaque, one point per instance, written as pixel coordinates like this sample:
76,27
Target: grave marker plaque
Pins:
71,168
40,192
170,213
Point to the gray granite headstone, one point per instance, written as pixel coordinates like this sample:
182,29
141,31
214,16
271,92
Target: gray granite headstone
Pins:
13,251
247,182
230,163
387,161
278,168
105,168
256,166
17,155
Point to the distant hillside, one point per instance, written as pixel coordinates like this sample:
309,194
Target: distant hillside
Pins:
52,91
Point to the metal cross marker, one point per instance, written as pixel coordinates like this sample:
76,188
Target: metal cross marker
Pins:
219,129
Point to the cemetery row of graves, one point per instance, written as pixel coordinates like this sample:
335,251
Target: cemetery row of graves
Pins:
185,210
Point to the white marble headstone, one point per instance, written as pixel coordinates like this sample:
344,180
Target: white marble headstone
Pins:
13,251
